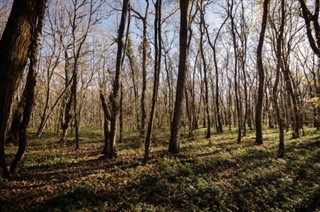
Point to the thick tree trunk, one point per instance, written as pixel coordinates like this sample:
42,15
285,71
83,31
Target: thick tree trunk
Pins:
14,51
29,91
174,145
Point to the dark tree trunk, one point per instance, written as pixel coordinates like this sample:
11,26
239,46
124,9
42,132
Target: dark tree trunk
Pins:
106,121
14,51
121,115
68,99
260,71
29,90
174,146
312,19
114,96
157,52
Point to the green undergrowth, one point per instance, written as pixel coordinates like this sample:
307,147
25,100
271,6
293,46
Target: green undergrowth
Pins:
215,174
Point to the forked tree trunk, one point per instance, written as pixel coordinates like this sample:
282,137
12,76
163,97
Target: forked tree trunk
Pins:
29,90
114,96
213,47
14,51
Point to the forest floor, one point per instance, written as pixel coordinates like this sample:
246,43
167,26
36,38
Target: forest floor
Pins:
214,174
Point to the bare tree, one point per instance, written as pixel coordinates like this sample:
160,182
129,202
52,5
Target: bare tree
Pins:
114,96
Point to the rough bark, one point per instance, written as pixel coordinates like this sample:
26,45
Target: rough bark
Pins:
174,145
14,51
29,90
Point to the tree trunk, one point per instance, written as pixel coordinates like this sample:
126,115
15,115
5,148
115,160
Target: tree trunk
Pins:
213,47
29,91
157,66
260,71
106,120
276,83
114,96
312,19
14,51
174,146
236,87
205,73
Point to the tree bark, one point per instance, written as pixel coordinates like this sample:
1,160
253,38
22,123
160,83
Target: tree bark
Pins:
174,145
29,90
14,51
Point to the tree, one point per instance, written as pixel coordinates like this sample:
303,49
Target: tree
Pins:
15,46
157,67
174,146
310,19
22,115
214,49
205,67
114,96
144,66
279,40
236,71
83,14
260,72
